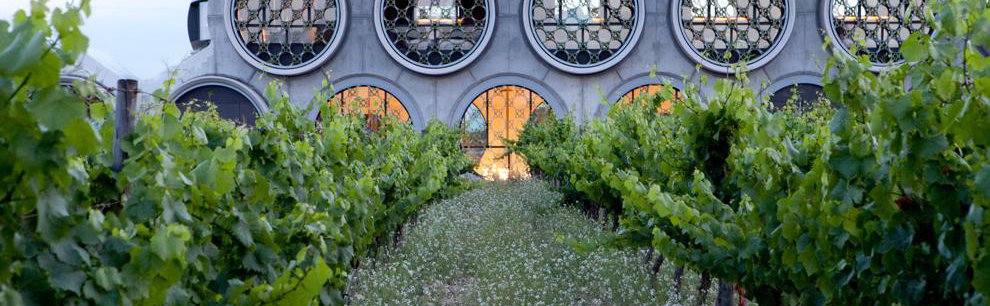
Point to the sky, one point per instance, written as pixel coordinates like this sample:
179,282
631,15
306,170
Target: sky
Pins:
142,37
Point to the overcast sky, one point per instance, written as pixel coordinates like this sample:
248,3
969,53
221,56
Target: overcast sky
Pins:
141,36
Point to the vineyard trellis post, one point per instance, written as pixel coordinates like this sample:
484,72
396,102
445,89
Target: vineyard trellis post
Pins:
125,115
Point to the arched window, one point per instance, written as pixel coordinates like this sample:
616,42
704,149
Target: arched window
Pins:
286,37
498,114
721,33
881,25
230,104
583,36
647,90
435,36
378,106
800,95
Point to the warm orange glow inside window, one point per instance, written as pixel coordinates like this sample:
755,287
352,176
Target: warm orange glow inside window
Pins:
649,90
500,113
374,103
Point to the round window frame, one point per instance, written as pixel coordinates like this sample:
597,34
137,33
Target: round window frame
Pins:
618,57
617,93
482,45
315,63
825,22
677,27
259,103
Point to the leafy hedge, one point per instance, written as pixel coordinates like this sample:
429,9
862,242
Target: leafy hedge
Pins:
204,211
884,200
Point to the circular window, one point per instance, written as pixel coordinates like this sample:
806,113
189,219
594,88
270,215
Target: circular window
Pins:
497,115
435,36
286,37
378,106
719,34
874,28
583,36
230,104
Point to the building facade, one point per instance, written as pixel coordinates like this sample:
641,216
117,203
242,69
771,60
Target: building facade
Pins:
490,65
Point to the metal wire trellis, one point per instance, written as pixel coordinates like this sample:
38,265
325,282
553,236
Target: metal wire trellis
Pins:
583,32
880,25
285,33
435,33
729,31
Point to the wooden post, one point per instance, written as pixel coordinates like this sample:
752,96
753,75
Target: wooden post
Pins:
125,115
725,293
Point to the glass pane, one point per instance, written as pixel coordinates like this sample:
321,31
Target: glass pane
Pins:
435,33
500,113
285,33
583,32
881,25
733,31
647,91
377,105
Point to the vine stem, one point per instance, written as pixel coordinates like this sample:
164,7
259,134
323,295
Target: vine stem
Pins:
29,75
13,188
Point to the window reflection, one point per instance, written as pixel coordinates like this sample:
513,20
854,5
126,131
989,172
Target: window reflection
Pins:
497,115
646,91
583,32
435,33
377,105
880,25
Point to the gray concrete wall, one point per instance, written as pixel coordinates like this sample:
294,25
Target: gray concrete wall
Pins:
508,60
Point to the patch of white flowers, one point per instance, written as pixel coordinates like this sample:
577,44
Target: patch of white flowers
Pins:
496,246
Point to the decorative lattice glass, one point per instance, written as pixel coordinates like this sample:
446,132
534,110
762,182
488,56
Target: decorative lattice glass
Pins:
646,91
877,28
286,34
727,32
377,105
435,33
583,33
497,115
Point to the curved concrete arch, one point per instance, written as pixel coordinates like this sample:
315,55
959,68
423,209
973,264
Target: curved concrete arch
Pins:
260,104
407,100
633,83
479,87
811,78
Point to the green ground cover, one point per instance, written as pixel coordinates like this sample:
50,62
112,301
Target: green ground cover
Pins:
499,245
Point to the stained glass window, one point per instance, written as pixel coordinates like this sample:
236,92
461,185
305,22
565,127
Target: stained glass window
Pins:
497,114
